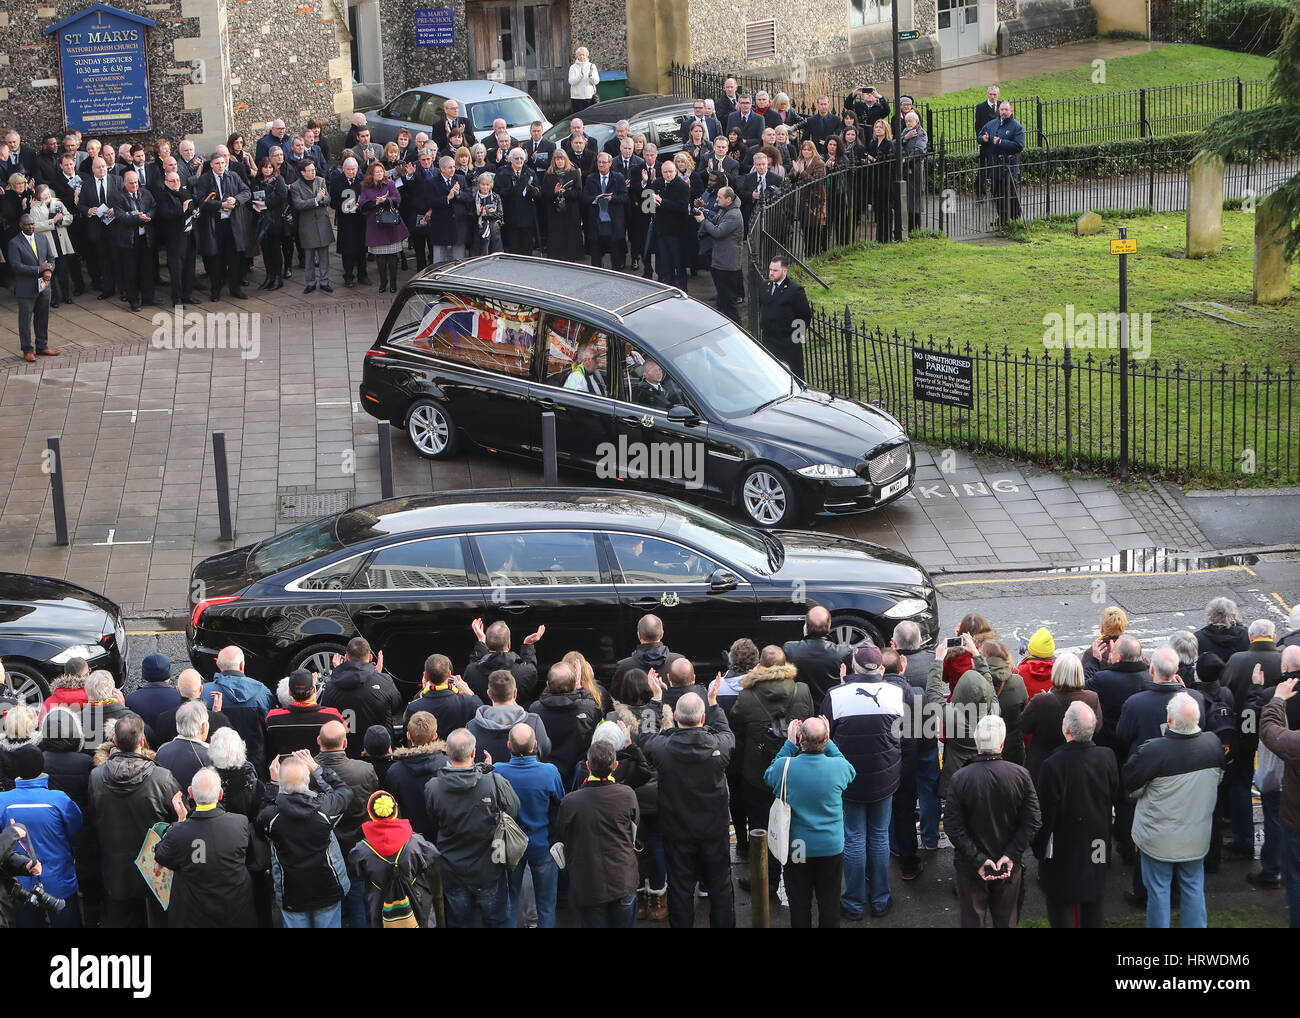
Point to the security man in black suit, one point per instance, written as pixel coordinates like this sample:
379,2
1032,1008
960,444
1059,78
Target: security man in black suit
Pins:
750,123
784,315
985,113
823,124
175,230
218,191
726,104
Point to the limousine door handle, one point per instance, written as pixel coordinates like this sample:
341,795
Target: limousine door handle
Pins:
645,605
546,404
375,611
633,421
514,607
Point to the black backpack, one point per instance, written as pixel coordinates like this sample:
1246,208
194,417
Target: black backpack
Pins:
771,738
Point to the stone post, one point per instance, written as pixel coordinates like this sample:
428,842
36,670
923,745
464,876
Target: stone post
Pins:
1205,205
1272,270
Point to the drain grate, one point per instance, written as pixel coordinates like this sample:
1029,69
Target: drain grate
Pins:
309,505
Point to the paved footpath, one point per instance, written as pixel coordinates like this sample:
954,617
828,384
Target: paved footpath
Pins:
135,423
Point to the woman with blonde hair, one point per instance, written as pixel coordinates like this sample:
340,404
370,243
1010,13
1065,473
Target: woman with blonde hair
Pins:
1041,719
587,677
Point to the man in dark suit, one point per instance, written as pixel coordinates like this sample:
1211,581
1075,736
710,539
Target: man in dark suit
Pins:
578,130
537,149
604,197
985,113
133,239
784,315
615,144
518,188
67,185
498,150
633,170
95,205
755,187
151,180
174,230
221,245
750,123
649,389
22,158
31,257
47,159
583,156
441,131
417,201
700,115
719,164
726,104
868,106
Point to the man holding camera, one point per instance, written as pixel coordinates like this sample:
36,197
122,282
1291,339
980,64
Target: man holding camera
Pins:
868,106
50,822
727,229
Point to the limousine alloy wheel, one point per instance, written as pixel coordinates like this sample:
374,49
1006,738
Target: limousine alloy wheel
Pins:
318,658
768,498
431,429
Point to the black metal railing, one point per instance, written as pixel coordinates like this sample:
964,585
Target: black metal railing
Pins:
1060,406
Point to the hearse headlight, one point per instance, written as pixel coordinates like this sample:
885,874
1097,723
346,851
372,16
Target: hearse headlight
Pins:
825,471
88,651
906,608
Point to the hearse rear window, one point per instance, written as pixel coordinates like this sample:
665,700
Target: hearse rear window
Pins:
479,332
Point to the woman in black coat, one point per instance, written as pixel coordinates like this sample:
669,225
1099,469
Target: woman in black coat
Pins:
1077,789
880,158
561,204
269,210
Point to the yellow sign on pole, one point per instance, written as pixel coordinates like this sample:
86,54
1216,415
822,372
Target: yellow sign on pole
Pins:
1124,247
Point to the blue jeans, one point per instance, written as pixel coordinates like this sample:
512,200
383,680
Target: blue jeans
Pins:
330,918
654,870
927,783
1291,873
1159,877
546,881
866,854
354,904
619,914
1270,855
461,899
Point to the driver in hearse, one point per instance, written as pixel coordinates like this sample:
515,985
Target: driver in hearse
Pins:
649,389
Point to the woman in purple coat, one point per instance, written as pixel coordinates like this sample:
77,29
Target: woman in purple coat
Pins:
385,232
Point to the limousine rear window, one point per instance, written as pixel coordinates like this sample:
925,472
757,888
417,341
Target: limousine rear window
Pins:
295,548
480,332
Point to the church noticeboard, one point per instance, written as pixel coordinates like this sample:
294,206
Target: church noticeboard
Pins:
943,378
104,70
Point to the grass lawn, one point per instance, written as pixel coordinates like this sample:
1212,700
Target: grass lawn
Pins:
1000,294
1169,65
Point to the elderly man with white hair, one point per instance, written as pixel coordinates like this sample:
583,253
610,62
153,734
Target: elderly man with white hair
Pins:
1078,786
517,186
1174,780
209,852
245,702
186,754
991,818
307,866
189,685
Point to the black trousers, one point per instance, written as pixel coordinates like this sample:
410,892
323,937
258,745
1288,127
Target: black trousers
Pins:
137,271
903,818
272,254
759,803
613,245
705,862
1082,915
420,245
101,258
519,239
226,267
133,913
818,876
727,282
180,264
352,249
739,813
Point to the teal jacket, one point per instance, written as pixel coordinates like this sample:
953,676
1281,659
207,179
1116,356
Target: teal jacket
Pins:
814,788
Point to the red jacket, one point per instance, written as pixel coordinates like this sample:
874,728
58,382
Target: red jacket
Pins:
72,697
1037,673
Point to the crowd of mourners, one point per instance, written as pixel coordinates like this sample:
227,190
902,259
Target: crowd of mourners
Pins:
512,792
78,215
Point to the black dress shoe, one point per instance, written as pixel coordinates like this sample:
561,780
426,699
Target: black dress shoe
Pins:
214,298
239,295
105,295
135,305
265,284
188,299
363,280
309,288
1268,883
327,288
277,284
288,274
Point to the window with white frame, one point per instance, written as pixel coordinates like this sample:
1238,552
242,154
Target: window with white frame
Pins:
869,12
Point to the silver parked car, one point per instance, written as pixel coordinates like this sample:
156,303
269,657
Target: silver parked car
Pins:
417,109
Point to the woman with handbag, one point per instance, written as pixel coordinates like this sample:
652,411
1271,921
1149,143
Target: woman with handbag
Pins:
52,217
808,779
385,231
270,200
562,198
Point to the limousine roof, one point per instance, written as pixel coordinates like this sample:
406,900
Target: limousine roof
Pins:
507,507
616,292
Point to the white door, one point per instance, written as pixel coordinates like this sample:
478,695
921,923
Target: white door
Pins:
959,29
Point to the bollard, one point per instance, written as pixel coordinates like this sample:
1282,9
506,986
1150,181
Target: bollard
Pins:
223,484
56,489
550,465
385,459
760,907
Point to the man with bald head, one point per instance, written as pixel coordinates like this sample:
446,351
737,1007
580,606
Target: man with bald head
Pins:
474,875
358,775
818,657
540,792
307,802
273,138
813,774
189,684
1174,779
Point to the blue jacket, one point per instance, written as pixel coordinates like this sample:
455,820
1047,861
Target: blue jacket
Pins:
245,702
1145,714
538,785
152,699
1010,143
866,715
52,821
814,788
